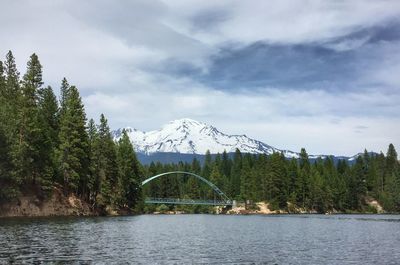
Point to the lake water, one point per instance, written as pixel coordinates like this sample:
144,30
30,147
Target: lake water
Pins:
203,239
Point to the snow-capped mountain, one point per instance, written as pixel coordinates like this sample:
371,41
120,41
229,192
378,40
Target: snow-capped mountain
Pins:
187,136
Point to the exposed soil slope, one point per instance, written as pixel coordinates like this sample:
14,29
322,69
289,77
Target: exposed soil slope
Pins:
56,205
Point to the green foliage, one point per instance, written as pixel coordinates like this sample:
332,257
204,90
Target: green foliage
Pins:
162,208
129,169
8,183
292,185
73,150
32,149
43,144
107,163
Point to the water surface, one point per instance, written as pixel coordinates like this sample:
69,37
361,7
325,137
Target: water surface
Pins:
203,239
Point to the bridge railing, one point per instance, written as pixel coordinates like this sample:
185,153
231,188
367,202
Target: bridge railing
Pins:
212,185
187,201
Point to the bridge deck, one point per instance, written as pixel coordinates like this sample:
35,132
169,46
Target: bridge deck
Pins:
187,201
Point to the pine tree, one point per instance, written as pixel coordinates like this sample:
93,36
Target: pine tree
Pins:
196,166
129,168
94,157
48,122
64,90
245,179
235,174
370,171
12,90
73,150
279,181
318,195
49,110
30,158
381,170
152,189
3,99
207,165
107,163
302,184
215,178
357,186
391,197
292,170
10,94
391,159
226,164
2,83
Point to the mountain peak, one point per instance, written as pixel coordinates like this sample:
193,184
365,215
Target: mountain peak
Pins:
188,136
185,120
185,123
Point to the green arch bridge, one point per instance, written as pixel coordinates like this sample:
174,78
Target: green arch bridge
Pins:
223,200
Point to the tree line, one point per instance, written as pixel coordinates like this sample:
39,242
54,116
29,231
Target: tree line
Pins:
46,142
322,185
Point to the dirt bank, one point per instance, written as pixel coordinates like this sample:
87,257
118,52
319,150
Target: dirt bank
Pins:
56,205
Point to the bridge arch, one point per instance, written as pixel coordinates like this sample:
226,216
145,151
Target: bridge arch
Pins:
209,183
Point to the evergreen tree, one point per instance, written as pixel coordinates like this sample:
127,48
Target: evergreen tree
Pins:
48,122
292,170
10,101
94,161
64,95
73,150
207,165
302,184
391,159
3,99
390,197
130,182
279,181
245,178
196,166
2,84
318,195
357,186
226,164
216,178
31,149
107,163
12,89
235,174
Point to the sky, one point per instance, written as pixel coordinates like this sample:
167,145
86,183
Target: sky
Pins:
324,75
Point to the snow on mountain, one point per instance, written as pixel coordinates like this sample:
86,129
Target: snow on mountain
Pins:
187,136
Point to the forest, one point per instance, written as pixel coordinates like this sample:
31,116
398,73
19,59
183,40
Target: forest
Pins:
47,141
322,185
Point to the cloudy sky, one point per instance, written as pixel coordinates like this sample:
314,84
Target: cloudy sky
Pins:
324,75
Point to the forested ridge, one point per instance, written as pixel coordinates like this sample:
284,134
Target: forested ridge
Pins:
47,142
321,186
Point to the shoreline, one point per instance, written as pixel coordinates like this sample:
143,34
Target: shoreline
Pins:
96,214
55,217
61,205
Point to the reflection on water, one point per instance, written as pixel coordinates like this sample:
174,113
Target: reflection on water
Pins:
186,239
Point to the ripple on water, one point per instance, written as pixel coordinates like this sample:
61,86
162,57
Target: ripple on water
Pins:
203,239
